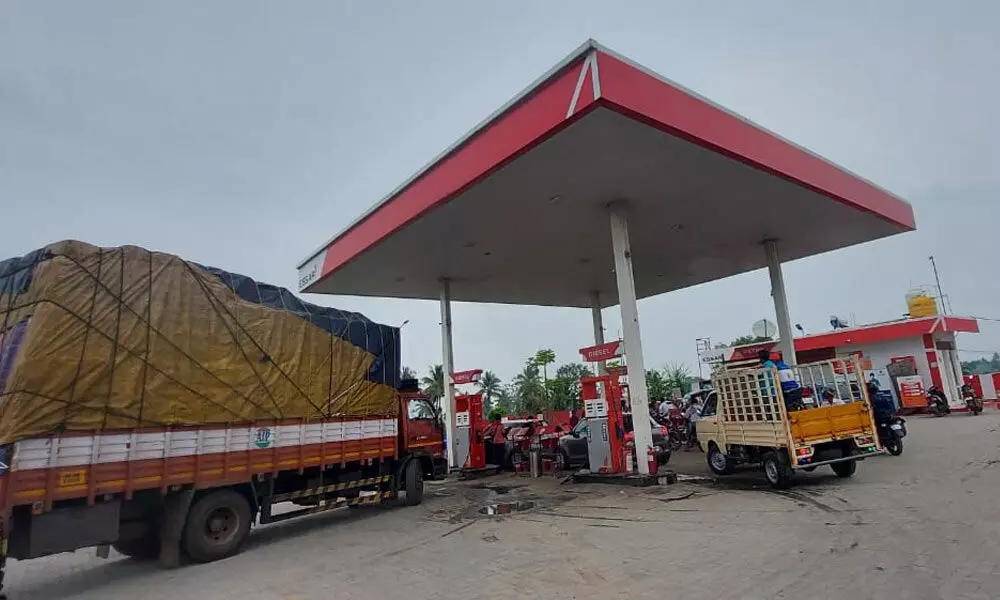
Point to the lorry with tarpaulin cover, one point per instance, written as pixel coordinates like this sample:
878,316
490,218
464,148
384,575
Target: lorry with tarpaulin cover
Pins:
749,420
162,407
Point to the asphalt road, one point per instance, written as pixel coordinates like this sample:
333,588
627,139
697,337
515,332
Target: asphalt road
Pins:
921,526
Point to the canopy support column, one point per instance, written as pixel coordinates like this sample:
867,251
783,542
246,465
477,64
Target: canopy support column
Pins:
447,367
787,342
595,313
638,394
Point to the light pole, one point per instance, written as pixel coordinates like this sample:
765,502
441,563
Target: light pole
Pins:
937,280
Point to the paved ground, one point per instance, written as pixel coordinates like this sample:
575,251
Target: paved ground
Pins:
921,526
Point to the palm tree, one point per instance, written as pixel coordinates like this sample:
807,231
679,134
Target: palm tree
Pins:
433,388
677,375
407,373
544,358
433,382
489,387
529,388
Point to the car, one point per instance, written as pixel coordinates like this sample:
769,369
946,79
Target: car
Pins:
572,448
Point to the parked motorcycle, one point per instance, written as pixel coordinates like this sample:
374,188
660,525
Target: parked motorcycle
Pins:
972,402
891,432
937,405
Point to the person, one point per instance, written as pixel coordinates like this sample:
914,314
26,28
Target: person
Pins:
664,409
574,418
790,388
493,440
829,398
691,416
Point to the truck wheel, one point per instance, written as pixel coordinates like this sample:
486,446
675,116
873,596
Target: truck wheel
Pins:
718,463
413,481
845,469
144,548
217,525
777,470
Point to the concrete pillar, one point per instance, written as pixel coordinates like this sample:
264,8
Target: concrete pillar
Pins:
448,366
595,313
630,330
787,343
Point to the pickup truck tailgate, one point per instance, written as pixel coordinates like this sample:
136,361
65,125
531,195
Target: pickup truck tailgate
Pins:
830,423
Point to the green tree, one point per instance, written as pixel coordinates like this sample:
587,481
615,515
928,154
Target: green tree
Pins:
656,385
564,388
433,382
982,366
529,388
489,387
506,400
544,358
750,339
407,373
677,375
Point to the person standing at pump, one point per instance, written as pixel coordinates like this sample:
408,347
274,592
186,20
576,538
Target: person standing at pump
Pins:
790,388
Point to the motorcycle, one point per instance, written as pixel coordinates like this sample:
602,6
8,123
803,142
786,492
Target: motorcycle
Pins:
936,402
972,402
891,432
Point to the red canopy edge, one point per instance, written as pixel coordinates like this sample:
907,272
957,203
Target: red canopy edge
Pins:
562,97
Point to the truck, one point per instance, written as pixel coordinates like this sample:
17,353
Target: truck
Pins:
747,421
162,408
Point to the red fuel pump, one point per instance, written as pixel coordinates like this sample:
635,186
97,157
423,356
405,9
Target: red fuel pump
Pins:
602,408
471,425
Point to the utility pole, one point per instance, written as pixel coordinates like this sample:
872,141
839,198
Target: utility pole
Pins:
938,281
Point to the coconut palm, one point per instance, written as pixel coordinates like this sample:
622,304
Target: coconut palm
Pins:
489,387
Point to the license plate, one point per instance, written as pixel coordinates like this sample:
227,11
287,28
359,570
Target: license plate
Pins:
896,426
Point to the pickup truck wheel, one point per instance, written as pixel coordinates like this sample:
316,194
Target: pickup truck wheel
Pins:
217,525
144,548
777,470
845,469
413,482
719,463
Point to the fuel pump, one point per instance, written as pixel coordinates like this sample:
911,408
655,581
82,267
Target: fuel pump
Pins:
470,425
602,408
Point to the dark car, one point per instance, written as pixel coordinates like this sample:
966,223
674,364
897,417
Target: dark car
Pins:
573,447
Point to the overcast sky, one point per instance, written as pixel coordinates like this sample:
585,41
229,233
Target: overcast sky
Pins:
244,134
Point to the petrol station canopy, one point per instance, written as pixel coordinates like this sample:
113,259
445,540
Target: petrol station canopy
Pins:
517,211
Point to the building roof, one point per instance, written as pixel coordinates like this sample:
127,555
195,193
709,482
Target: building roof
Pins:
865,334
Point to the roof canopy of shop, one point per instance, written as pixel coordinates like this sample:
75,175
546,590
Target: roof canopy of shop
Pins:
516,212
857,336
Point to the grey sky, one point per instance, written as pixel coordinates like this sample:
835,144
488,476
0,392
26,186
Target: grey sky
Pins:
244,134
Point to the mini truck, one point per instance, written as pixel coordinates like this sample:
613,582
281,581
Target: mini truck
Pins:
162,408
747,422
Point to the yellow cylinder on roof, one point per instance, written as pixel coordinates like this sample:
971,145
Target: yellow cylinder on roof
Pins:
921,304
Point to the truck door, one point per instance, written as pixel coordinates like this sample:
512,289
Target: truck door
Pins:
707,425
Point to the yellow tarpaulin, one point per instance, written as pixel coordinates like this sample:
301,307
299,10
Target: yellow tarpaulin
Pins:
115,338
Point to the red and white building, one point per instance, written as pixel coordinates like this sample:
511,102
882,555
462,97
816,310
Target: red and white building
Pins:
925,346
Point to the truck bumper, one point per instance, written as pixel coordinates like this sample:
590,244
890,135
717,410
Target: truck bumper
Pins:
839,460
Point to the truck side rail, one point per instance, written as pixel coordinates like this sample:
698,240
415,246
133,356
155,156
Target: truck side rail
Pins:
80,465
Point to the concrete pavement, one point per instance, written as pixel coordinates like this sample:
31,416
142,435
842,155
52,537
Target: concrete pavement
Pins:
921,526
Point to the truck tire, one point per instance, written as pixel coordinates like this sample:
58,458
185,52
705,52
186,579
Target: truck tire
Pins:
845,469
413,483
217,525
718,463
777,470
144,548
